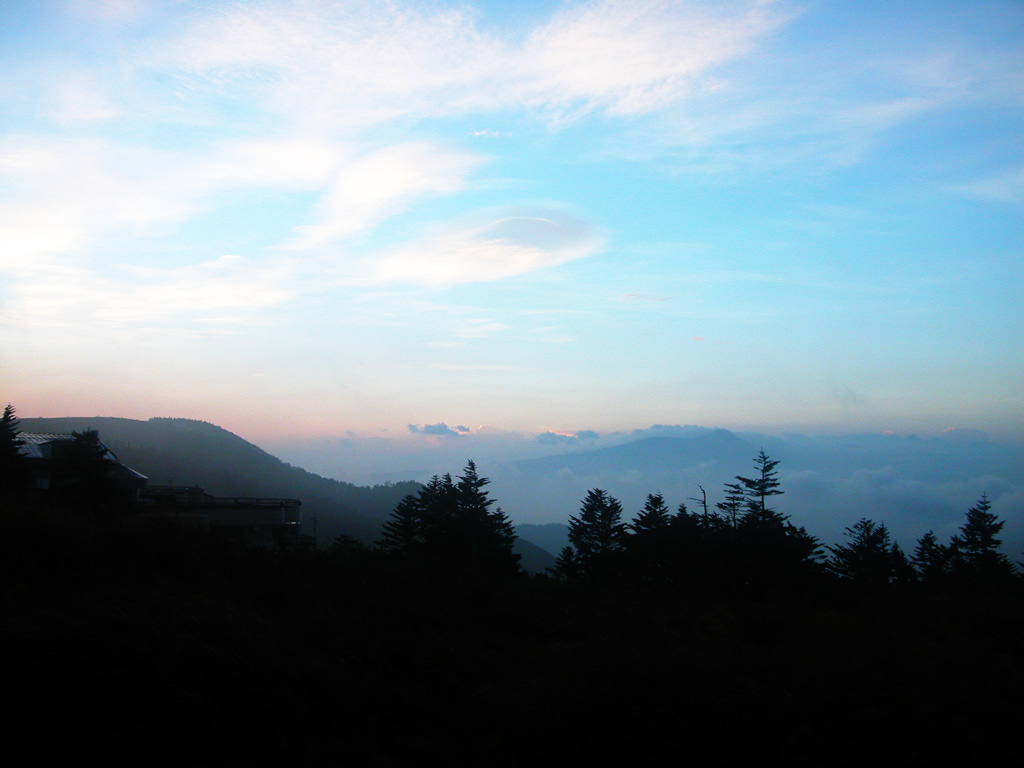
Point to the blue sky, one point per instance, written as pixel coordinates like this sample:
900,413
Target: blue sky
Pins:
312,219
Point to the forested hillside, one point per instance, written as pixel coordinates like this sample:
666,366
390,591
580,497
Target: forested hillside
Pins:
189,452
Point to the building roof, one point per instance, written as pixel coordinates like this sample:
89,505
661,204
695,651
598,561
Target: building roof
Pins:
32,444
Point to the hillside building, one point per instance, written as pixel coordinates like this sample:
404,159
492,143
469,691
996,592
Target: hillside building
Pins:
81,472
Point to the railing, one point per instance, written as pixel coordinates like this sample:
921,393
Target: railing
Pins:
224,501
193,496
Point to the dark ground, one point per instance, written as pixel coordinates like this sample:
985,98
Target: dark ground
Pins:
165,647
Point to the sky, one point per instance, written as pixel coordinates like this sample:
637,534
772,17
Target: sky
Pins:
429,221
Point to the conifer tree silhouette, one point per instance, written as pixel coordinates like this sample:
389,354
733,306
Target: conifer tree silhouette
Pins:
487,534
653,519
931,560
757,489
648,541
14,472
452,525
870,557
567,566
767,547
975,560
732,507
403,532
598,534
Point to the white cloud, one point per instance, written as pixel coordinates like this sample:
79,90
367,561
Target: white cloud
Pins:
342,64
225,291
367,188
631,57
297,162
504,247
827,102
329,68
80,98
480,328
63,193
1007,187
354,64
319,76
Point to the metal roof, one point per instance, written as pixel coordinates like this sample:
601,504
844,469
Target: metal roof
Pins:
32,444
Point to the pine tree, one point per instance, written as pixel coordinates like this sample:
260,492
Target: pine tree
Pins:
567,566
451,525
697,554
757,489
403,532
870,557
649,541
488,535
903,571
598,534
653,519
931,560
732,507
766,547
977,541
14,471
976,560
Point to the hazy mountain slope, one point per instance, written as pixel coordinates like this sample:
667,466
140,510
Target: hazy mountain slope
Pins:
651,454
829,481
549,489
551,537
188,452
533,558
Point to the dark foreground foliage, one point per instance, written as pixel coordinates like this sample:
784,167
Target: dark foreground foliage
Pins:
162,646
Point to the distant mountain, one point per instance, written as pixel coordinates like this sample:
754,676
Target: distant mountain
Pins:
533,559
189,452
911,484
549,489
651,454
549,538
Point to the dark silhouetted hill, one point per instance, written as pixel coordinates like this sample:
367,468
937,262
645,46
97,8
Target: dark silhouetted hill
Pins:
533,557
189,452
549,537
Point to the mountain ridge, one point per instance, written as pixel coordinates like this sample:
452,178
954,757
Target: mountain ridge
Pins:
179,451
175,451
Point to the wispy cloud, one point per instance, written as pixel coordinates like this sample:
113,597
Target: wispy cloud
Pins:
359,63
372,186
342,64
64,193
305,80
503,247
79,98
633,57
1007,187
224,292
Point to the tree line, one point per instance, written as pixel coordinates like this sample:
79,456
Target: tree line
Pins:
740,544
